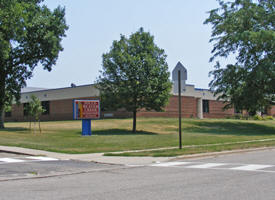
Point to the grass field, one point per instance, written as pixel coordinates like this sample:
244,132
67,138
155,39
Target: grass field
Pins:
115,135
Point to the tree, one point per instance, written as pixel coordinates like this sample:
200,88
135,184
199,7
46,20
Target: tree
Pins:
35,110
245,29
135,75
30,34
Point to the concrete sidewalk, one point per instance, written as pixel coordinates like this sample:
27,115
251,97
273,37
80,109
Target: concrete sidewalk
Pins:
119,160
91,157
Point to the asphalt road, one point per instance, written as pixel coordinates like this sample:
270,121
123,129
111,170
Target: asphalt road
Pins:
16,166
237,176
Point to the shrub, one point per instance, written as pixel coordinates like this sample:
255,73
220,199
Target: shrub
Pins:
257,117
268,118
237,116
245,117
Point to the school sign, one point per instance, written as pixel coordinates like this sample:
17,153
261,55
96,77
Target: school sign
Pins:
86,110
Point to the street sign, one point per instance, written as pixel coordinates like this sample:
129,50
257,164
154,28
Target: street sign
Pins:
183,72
179,76
182,77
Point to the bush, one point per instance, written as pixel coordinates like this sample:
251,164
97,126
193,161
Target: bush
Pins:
237,116
257,117
245,117
268,118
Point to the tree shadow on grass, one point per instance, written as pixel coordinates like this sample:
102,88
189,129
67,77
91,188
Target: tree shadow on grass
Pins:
119,132
14,129
231,128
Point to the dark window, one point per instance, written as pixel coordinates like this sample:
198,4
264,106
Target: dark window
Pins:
8,114
26,109
237,110
205,104
46,107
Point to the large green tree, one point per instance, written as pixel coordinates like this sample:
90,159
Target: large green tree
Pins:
246,30
135,75
30,34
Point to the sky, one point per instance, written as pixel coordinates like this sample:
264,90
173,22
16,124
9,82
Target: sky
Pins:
177,26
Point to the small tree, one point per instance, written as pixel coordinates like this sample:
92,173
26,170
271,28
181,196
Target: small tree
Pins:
35,110
135,75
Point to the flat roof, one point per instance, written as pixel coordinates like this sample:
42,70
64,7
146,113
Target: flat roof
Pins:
34,89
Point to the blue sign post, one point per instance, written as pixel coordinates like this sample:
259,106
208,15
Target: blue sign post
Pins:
86,110
86,127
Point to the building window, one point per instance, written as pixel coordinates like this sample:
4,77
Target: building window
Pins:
237,110
8,114
26,109
46,107
205,106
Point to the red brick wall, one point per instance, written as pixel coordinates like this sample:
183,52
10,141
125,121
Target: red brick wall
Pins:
216,110
63,110
117,114
59,110
16,113
271,111
188,107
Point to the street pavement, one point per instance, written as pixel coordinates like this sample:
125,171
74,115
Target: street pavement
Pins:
247,175
15,167
90,157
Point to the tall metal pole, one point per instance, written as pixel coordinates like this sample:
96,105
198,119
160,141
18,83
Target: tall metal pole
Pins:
179,87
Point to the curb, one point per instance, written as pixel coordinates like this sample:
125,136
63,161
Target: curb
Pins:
15,152
190,156
59,174
211,154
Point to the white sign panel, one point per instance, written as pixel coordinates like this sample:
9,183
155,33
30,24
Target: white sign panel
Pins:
183,77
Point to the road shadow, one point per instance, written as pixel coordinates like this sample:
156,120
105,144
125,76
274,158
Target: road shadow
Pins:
230,128
119,132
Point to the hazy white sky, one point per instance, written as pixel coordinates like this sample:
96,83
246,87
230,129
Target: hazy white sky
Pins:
177,26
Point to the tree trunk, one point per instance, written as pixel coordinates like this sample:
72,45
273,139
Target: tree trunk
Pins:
2,97
30,127
39,126
134,121
2,117
34,126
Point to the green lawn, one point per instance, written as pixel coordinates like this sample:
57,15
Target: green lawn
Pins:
115,135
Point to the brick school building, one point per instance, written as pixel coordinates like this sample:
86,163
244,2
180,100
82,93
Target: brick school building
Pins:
58,104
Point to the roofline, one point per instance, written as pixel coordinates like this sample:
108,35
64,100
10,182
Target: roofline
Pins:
201,89
57,88
198,89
